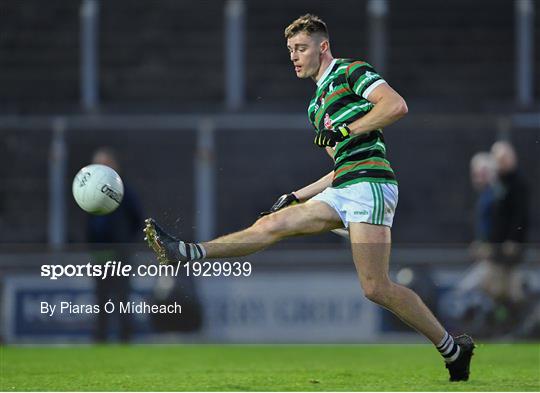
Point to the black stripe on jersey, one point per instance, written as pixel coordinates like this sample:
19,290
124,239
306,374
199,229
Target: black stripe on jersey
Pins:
360,156
356,74
312,118
341,79
359,140
374,173
357,116
342,102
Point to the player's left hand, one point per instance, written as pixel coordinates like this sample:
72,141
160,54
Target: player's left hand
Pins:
329,137
283,201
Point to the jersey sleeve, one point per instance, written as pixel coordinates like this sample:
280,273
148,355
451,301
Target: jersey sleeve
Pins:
362,78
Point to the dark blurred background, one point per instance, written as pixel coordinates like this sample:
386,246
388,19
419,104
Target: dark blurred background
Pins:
191,90
454,62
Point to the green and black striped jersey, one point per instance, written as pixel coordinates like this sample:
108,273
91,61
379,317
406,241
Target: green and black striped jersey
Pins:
340,99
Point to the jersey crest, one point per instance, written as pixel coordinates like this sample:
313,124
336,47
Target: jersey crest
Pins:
327,121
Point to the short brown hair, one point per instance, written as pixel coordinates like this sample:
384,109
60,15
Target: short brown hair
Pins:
309,24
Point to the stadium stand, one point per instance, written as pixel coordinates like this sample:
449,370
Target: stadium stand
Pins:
455,55
39,56
167,55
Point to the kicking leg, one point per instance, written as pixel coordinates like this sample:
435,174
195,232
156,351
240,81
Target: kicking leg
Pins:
305,219
371,252
308,218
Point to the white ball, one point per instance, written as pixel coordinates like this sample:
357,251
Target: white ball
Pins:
98,189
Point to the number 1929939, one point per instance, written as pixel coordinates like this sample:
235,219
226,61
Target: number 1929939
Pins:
218,269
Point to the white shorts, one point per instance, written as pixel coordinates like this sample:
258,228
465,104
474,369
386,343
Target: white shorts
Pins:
374,203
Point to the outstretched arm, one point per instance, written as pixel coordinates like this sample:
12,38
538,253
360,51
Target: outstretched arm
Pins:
314,188
305,193
318,186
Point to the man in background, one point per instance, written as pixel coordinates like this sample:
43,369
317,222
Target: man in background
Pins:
501,214
509,223
483,173
113,231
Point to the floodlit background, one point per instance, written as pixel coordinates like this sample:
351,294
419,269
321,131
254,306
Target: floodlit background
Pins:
207,124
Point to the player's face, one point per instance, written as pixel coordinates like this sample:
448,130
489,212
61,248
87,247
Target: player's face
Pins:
305,52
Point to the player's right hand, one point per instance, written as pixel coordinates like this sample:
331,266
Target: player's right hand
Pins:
283,201
329,137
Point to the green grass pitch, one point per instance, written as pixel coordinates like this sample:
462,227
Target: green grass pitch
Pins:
263,368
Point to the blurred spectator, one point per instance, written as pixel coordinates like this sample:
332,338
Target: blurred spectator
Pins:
120,227
500,231
509,228
500,224
483,175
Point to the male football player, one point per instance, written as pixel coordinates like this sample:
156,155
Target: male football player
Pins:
350,107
